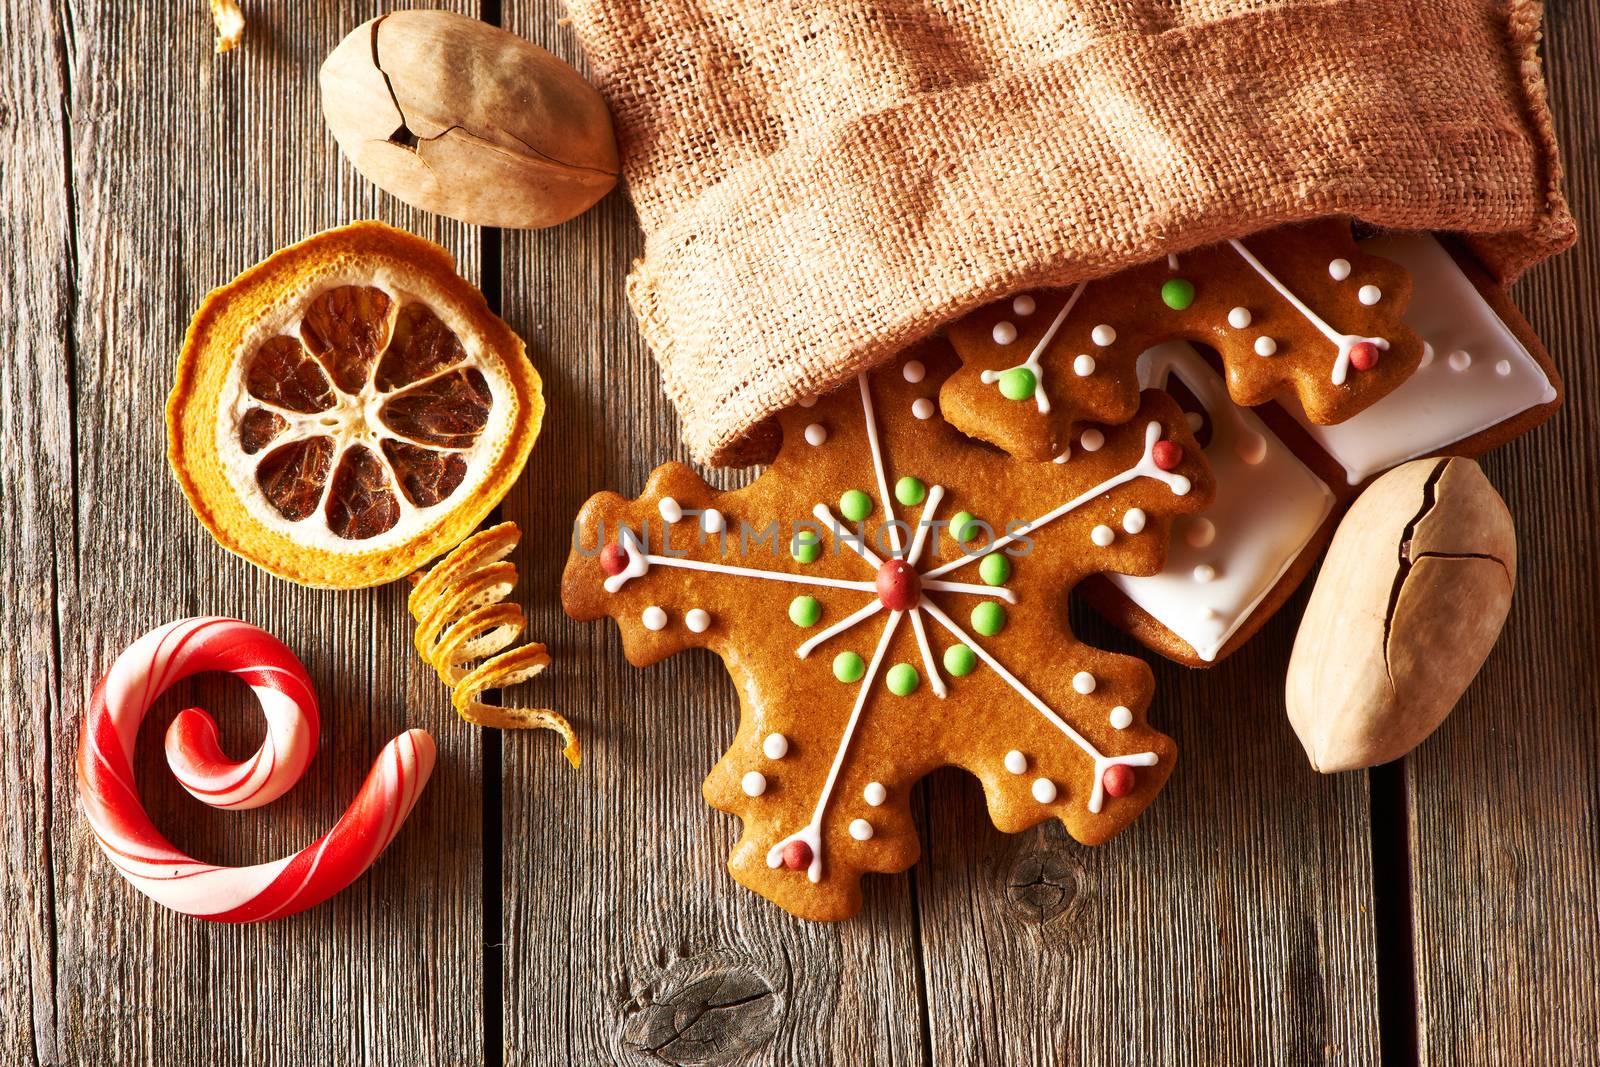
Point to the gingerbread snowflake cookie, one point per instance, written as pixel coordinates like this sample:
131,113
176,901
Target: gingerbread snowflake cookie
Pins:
890,598
1300,310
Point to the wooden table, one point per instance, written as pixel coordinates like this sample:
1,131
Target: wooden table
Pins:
1441,910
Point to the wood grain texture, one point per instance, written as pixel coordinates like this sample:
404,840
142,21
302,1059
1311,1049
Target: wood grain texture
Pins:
187,168
1505,798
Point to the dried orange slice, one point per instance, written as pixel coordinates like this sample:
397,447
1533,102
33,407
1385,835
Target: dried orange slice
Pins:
349,408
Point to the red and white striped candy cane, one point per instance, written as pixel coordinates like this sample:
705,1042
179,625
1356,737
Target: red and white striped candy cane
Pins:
150,666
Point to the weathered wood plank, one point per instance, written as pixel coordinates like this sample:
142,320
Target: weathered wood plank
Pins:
1505,798
36,556
618,903
189,167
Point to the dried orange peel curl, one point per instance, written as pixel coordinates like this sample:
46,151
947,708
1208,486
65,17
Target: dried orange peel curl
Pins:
465,629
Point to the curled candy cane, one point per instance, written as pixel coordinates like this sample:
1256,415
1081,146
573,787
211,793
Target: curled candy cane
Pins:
149,667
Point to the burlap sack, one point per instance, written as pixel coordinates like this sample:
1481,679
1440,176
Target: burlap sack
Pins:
822,182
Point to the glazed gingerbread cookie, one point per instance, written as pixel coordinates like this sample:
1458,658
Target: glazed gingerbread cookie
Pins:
1300,310
890,598
1283,480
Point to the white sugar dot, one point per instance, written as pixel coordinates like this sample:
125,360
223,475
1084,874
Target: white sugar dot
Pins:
1181,485
1083,366
1205,572
1092,440
1016,762
875,794
1460,360
860,829
1044,790
1195,420
1200,532
671,511
816,434
1239,318
712,521
1003,333
1083,682
1265,346
922,409
1134,520
913,371
1339,270
754,783
776,746
808,402
1212,613
1102,335
1066,454
1102,535
1251,447
654,618
1427,355
1503,368
1023,305
1121,718
1369,294
698,620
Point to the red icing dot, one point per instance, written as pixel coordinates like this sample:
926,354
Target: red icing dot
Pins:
1364,355
1119,780
613,558
1167,454
898,585
797,855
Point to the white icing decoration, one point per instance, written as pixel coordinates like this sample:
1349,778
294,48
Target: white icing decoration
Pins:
913,371
1042,402
1102,535
1427,356
1344,342
1083,366
1003,333
1239,318
712,521
671,510
1460,359
1083,682
1263,515
1339,269
860,829
1205,572
653,618
1044,790
1251,447
1266,346
1016,762
808,402
1369,294
1066,454
1172,261
754,783
816,434
1092,440
775,746
698,620
1503,368
1023,306
1121,718
1133,522
875,794
1103,335
1437,406
922,408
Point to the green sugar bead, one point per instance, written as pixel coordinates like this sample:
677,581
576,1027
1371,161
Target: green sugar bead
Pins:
807,547
1177,293
961,527
995,568
1018,383
909,491
903,679
959,660
855,504
848,667
805,611
988,618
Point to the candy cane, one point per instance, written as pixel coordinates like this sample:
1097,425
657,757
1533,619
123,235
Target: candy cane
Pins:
149,667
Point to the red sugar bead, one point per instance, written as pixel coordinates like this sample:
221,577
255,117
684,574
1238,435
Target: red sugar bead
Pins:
1119,779
613,558
797,855
1167,454
898,585
1364,355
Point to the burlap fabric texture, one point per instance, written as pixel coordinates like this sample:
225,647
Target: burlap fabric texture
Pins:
823,182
